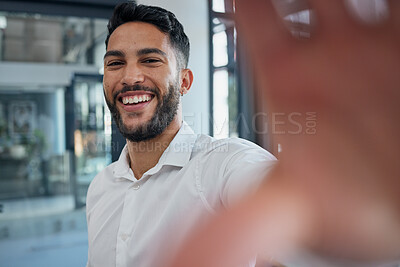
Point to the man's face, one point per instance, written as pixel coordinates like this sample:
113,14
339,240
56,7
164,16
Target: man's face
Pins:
141,80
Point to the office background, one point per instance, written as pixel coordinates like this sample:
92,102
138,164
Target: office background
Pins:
56,132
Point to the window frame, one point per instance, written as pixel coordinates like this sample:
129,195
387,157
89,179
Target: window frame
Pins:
231,67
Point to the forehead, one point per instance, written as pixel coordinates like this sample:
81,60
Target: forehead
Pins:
138,35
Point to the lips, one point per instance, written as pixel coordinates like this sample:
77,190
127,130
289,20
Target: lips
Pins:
135,101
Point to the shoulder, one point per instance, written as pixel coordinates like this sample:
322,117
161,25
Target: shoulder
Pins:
229,168
224,157
227,148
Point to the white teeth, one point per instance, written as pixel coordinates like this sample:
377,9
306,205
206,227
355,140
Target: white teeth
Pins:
135,99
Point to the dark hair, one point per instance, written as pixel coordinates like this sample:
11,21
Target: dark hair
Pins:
164,20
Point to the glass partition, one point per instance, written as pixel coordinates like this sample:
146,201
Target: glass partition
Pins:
33,163
51,39
92,132
43,180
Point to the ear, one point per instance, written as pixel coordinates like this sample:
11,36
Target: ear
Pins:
186,81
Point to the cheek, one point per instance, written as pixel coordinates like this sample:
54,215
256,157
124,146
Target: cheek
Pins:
164,82
109,80
106,89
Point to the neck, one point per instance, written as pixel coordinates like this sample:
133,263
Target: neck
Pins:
145,155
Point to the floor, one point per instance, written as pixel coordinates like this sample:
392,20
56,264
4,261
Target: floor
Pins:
42,232
61,250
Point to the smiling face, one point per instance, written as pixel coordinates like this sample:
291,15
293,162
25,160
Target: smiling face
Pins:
141,80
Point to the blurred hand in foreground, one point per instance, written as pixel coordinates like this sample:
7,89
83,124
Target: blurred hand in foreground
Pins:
335,192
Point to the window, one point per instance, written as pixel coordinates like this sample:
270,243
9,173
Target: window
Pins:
233,105
223,71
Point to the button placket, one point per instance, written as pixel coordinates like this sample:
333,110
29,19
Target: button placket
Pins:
125,228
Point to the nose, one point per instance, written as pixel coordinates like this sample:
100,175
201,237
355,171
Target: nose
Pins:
132,75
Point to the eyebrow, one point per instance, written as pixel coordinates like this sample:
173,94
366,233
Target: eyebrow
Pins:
114,53
146,51
141,52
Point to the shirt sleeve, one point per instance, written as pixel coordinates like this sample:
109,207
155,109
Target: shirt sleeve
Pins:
244,171
231,171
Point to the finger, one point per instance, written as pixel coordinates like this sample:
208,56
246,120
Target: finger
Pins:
331,14
261,27
394,7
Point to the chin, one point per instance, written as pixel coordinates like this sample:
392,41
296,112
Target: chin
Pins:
135,119
132,127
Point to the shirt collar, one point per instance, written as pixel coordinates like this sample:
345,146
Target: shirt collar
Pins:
178,153
122,168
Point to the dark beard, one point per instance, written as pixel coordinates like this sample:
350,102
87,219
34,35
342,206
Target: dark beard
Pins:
163,116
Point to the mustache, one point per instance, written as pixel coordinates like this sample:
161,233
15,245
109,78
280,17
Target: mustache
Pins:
133,88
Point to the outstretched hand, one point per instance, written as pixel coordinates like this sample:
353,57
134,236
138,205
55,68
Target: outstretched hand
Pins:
337,191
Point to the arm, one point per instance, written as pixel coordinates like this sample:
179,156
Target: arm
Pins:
336,192
243,171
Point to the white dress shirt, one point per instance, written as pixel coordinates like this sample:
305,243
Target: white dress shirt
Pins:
142,222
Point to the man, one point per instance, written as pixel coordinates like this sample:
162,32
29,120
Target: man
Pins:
335,193
167,180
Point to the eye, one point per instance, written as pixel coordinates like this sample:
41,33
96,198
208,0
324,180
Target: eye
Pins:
151,60
114,63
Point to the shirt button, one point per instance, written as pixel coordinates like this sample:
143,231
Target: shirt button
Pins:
136,186
124,237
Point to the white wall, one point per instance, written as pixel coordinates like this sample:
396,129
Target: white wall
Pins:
194,17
